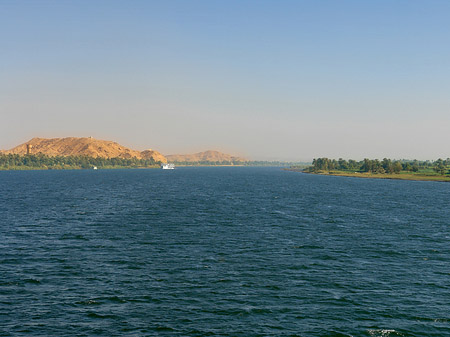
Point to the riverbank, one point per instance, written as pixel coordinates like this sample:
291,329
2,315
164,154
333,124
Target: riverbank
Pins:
45,168
400,176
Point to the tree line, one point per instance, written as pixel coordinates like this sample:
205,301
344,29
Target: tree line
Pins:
208,163
238,162
42,161
386,165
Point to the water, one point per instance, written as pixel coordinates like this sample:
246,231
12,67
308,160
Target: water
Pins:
222,252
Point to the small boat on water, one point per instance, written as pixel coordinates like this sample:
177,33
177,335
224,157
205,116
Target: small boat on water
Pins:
167,166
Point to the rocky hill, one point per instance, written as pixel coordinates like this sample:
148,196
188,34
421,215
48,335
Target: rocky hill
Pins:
207,156
88,146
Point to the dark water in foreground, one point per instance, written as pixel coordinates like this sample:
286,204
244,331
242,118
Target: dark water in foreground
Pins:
222,252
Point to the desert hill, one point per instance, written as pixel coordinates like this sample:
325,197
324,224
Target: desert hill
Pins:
87,146
207,156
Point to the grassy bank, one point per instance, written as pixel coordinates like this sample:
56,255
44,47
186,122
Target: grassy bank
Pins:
426,175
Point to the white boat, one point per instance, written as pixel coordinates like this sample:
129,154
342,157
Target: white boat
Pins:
167,166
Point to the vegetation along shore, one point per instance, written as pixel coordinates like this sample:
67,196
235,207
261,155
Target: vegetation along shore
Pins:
45,162
438,170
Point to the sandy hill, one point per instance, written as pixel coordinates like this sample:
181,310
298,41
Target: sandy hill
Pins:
73,146
209,156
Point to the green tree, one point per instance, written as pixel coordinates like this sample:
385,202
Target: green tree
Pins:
439,166
397,167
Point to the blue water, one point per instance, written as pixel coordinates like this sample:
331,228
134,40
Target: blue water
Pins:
222,252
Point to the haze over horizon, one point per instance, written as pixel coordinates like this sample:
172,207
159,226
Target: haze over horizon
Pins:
268,80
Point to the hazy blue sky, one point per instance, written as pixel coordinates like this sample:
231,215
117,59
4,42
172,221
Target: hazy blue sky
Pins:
288,80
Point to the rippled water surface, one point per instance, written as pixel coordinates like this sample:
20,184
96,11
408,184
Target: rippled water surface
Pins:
222,252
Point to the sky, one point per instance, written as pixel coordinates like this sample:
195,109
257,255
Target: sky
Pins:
269,80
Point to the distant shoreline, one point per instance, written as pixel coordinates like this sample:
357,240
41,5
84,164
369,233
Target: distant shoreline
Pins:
43,168
366,175
22,168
